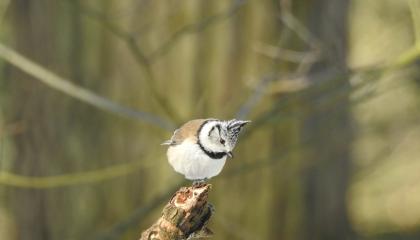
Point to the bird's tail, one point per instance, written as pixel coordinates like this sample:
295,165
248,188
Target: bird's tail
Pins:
167,142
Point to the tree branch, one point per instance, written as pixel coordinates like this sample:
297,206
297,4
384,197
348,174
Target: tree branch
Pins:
66,86
196,28
254,98
70,179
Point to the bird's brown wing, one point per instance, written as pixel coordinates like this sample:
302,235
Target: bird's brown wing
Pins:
188,130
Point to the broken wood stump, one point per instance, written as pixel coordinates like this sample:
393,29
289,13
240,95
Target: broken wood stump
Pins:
185,216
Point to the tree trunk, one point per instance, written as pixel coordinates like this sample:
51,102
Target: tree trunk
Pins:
34,38
327,130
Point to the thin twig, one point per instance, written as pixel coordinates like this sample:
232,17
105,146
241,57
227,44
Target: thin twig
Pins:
71,179
406,58
254,98
66,86
196,28
294,24
284,54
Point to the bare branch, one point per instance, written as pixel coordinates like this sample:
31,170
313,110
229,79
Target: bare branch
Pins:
66,86
284,54
70,179
294,24
254,98
196,28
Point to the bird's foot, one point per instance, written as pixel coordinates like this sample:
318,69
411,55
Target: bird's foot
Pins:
199,182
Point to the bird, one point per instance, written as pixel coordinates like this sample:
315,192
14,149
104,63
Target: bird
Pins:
199,148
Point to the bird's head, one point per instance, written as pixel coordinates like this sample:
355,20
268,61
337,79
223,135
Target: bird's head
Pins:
220,136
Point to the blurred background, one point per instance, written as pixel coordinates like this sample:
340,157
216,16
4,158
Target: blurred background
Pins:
90,88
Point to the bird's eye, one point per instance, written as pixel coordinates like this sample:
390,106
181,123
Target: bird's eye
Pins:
222,141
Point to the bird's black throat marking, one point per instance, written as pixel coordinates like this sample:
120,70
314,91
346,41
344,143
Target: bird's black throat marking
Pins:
211,154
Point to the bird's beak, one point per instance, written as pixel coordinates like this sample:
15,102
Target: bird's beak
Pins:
230,154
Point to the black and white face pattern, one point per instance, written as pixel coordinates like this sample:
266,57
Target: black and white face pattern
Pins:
218,138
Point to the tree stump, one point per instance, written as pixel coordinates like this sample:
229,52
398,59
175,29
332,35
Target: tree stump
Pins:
185,216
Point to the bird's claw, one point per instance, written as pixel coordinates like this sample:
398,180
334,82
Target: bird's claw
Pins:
199,182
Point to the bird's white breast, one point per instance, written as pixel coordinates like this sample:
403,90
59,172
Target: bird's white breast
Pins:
188,159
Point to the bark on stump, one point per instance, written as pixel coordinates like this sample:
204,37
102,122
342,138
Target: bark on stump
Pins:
185,216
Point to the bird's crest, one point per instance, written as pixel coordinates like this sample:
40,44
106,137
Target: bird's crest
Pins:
234,128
